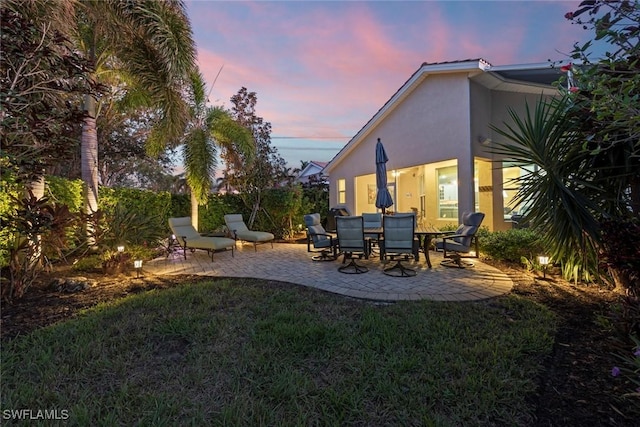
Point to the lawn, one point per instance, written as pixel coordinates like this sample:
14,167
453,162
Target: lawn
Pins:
246,352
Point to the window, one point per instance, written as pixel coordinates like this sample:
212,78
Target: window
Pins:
448,192
423,199
342,191
512,174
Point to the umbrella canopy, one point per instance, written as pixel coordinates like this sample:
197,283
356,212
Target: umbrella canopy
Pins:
383,197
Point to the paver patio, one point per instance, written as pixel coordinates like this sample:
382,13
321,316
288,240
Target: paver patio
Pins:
288,262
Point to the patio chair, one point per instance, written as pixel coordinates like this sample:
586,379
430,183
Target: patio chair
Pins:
325,244
399,243
372,220
240,231
462,244
188,238
352,243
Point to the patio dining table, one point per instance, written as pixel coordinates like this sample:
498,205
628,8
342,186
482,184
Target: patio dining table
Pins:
425,235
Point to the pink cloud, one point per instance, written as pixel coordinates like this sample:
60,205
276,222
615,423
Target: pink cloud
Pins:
324,68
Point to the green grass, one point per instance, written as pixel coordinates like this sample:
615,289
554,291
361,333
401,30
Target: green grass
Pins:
241,352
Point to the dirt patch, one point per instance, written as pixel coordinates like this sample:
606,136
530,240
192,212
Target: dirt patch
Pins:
576,387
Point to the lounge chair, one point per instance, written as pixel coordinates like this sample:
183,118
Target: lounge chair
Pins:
240,231
189,239
323,243
461,244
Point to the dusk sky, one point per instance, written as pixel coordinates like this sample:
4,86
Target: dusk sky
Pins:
321,69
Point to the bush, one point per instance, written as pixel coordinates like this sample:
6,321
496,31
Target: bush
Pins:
66,192
88,263
512,245
620,252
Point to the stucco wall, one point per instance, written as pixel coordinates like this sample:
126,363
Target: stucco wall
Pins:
444,120
430,124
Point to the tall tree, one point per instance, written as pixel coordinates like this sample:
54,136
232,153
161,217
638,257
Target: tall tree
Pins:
607,101
267,170
42,77
147,46
587,145
209,129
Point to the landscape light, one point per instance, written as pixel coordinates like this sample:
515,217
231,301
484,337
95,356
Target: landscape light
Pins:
137,264
120,248
543,261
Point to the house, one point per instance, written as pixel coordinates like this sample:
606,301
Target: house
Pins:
436,133
312,172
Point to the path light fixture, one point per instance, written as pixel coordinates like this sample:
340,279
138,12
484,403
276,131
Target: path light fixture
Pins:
543,260
120,248
137,264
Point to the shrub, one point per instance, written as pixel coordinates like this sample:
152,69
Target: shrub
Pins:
88,263
512,245
124,226
34,225
620,252
66,192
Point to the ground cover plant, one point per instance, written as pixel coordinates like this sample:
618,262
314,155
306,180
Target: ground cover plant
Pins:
249,352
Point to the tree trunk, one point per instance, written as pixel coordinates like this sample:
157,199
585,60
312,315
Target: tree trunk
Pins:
34,262
194,211
89,163
89,156
635,196
254,211
37,187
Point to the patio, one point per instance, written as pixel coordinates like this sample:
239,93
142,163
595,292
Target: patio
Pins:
292,263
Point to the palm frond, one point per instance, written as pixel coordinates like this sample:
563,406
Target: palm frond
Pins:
229,134
560,190
200,163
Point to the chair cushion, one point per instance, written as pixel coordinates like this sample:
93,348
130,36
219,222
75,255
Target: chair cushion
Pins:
212,243
182,227
235,222
312,219
452,245
317,235
254,236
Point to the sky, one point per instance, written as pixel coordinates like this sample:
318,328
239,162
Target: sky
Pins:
322,69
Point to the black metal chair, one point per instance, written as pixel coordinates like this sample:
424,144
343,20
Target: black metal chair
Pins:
399,242
323,243
462,244
352,243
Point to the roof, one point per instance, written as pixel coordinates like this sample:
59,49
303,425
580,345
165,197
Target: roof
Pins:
312,164
533,78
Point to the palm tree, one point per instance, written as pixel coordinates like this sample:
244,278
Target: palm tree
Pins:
209,128
147,47
563,199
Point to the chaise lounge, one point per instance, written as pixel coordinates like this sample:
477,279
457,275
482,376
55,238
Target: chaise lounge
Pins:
189,239
240,231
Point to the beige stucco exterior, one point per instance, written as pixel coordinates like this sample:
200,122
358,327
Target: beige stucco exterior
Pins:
439,119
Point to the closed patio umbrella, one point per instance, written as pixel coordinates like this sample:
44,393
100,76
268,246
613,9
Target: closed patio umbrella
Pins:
383,197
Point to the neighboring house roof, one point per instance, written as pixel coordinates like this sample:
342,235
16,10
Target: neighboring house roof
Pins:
527,78
312,168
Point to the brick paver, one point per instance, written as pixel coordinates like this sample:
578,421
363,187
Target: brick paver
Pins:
292,263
